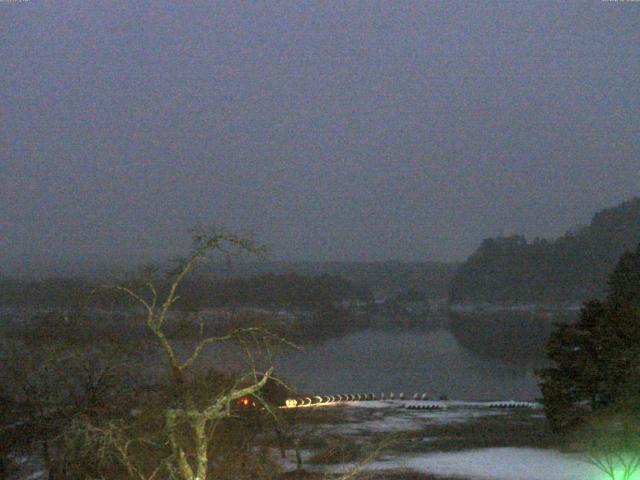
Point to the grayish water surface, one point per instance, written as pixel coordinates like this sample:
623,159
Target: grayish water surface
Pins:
408,361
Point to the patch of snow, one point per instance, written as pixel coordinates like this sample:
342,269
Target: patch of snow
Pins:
21,460
387,424
289,463
36,475
442,417
402,419
492,464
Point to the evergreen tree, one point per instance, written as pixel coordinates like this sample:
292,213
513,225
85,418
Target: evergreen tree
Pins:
597,359
624,283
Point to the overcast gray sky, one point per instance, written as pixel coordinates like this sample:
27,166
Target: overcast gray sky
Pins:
332,130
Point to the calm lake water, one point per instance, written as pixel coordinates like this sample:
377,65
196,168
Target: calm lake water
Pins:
408,361
428,359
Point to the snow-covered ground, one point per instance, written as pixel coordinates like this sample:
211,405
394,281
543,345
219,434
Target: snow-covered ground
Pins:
359,422
490,464
500,460
392,415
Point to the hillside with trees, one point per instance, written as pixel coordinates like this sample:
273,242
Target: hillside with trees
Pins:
384,278
511,270
595,360
287,289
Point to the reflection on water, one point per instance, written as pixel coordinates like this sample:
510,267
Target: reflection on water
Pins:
409,361
510,335
469,356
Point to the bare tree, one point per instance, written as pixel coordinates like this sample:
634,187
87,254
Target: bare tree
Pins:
186,452
187,426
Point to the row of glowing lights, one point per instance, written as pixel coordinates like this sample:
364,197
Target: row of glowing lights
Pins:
322,400
309,401
318,400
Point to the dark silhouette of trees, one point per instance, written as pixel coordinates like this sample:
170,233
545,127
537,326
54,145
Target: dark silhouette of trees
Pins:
624,283
409,296
569,269
285,289
597,359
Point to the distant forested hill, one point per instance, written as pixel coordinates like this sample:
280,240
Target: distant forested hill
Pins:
287,289
572,268
282,283
384,279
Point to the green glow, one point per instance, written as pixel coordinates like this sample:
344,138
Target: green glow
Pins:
619,474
